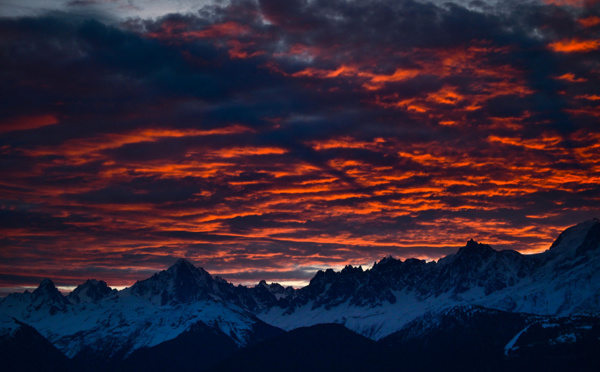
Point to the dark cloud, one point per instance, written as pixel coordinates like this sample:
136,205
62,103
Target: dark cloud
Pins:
265,140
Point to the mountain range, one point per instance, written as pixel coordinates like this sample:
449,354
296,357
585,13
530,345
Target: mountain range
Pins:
477,309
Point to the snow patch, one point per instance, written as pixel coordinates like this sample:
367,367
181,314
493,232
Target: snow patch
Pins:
564,339
510,346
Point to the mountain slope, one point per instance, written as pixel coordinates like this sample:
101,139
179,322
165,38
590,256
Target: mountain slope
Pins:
323,347
102,325
199,348
476,338
23,349
461,338
376,302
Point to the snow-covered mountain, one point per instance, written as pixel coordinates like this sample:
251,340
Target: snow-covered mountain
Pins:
97,322
185,305
377,302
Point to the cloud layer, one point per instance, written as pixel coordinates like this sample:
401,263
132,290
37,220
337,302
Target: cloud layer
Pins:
268,139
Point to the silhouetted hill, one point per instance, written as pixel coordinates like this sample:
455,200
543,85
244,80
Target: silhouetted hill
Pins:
323,347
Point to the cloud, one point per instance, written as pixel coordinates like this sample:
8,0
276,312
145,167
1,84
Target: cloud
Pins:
272,138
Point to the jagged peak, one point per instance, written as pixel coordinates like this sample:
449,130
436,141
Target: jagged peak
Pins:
184,267
387,259
91,283
181,282
278,286
385,262
91,290
46,286
323,276
473,247
273,287
350,269
47,293
94,283
182,263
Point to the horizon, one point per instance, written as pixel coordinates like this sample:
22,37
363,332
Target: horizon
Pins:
65,290
267,140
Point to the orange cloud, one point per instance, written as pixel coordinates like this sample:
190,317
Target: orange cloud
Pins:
179,30
590,21
372,81
237,50
589,97
377,81
571,78
447,95
543,143
221,29
84,150
347,143
233,152
574,45
343,70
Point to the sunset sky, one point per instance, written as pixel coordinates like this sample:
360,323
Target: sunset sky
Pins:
269,139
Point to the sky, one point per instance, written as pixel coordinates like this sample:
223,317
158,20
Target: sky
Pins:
269,139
